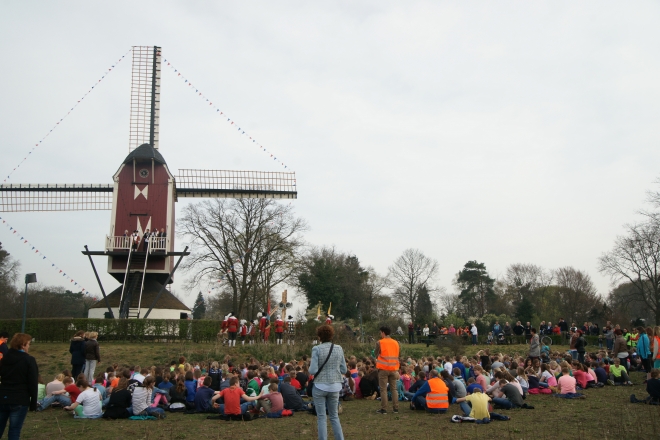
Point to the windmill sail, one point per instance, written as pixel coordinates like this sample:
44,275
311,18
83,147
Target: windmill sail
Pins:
236,184
145,97
26,197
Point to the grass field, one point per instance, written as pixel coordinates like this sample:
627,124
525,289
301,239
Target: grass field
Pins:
606,412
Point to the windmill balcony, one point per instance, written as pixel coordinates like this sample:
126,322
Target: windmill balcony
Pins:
121,243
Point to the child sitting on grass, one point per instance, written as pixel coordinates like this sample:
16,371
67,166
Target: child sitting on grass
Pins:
232,397
88,402
653,388
276,402
618,374
142,398
566,385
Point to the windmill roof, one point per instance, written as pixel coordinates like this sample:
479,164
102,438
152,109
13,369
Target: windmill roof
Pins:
151,289
145,152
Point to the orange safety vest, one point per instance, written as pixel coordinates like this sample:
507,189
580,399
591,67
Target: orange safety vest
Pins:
388,358
657,341
438,398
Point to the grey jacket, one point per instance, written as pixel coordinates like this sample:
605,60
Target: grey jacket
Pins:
534,346
335,368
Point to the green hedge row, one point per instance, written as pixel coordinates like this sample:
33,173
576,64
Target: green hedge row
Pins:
166,330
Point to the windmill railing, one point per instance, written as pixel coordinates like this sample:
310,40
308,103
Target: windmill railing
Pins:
123,243
158,244
118,243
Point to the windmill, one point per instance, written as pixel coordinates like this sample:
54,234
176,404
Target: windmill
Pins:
141,198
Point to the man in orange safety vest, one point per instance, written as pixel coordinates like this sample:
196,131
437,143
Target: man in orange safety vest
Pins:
433,396
387,363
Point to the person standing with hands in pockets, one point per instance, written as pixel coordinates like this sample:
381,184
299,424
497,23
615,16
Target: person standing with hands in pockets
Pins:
387,363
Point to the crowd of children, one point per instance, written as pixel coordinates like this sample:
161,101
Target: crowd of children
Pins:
276,389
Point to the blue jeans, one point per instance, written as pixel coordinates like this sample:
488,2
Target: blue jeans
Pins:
465,407
244,408
64,401
504,403
474,339
323,399
15,414
156,412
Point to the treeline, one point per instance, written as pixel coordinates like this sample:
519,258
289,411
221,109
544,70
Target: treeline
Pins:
42,301
246,250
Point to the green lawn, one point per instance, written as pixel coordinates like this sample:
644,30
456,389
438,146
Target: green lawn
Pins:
606,413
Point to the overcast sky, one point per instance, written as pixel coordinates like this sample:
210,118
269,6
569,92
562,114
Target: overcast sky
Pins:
502,132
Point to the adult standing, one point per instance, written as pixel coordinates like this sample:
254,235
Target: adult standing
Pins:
621,348
508,333
518,330
573,337
644,351
328,367
387,363
534,345
77,350
411,333
497,329
528,332
580,345
563,327
656,347
609,337
92,356
19,376
145,240
475,333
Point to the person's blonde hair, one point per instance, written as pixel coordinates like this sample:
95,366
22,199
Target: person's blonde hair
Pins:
656,330
93,335
60,377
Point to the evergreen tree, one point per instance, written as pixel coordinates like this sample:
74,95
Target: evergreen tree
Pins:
328,276
477,293
424,306
199,309
525,310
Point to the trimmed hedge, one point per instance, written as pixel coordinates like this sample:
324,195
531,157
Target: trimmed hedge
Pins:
163,330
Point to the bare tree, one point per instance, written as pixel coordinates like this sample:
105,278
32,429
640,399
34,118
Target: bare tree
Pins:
252,245
409,272
635,258
373,291
450,303
577,294
523,279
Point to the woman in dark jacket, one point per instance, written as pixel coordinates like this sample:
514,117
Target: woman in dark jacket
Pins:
120,400
580,346
92,356
19,376
77,350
